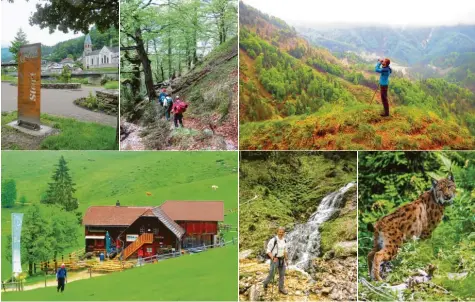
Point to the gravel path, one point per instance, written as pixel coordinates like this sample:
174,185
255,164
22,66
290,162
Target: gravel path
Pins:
59,102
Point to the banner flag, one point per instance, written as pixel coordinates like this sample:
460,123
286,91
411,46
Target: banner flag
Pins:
17,219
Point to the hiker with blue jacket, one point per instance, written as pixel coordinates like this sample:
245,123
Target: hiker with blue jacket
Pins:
383,68
277,252
163,94
61,277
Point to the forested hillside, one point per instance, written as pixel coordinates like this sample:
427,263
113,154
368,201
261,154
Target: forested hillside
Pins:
439,51
72,48
294,95
190,49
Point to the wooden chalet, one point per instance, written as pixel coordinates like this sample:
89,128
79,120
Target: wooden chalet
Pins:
153,230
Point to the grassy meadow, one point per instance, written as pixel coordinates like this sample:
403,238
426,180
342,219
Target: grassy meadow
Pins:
200,277
73,135
103,177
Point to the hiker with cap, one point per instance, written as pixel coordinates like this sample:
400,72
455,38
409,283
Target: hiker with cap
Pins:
179,107
61,277
383,68
277,252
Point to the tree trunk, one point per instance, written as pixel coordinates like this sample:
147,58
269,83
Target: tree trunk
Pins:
169,46
146,64
30,268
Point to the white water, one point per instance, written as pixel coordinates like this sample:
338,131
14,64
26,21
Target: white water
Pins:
304,241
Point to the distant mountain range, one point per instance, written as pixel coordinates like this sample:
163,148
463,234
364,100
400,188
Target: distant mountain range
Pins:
405,45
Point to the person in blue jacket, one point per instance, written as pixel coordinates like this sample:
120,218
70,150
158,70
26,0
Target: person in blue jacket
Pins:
61,276
162,96
383,68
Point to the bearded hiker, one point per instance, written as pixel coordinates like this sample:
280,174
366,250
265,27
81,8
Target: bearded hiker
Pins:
61,276
277,252
179,107
383,68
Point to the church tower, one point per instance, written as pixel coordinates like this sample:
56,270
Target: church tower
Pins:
87,45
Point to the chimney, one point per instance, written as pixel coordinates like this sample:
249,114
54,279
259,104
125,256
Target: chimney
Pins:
117,204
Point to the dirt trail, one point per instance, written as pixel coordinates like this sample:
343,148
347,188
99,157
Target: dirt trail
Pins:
74,277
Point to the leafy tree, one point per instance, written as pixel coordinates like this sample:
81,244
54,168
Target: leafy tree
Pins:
61,190
9,193
65,76
23,200
36,242
76,15
19,40
46,233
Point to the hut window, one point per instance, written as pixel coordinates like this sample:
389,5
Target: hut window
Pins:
142,229
155,231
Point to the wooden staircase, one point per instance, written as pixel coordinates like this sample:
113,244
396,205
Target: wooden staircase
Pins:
134,246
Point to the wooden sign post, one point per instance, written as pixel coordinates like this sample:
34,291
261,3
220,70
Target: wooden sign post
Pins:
29,86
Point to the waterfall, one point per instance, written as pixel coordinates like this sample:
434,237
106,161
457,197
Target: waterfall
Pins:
303,241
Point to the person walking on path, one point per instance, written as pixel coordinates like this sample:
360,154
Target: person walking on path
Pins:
383,68
277,252
179,107
61,277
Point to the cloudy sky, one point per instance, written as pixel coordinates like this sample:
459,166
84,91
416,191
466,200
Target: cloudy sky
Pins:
16,15
400,12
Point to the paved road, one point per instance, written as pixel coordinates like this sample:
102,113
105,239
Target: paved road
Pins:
59,102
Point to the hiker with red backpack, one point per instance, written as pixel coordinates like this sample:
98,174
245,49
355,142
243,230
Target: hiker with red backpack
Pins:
178,108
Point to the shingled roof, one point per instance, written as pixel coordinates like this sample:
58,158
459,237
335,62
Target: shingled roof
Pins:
194,210
112,215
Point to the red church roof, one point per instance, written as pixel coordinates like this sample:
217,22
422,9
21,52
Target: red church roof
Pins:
194,210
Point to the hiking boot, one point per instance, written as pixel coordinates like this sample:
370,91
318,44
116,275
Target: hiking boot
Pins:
265,286
384,115
283,291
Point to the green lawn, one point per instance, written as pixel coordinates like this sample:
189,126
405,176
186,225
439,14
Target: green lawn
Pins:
73,135
112,85
115,69
8,78
212,275
103,177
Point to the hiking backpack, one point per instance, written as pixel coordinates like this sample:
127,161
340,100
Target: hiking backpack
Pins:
167,101
274,245
181,107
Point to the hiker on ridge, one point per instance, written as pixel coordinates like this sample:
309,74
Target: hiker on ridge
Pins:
61,277
179,107
385,71
277,252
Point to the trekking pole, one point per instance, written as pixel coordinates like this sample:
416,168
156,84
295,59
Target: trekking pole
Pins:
273,284
376,90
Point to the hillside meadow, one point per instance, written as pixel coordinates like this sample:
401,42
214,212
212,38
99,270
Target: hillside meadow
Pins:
104,177
208,276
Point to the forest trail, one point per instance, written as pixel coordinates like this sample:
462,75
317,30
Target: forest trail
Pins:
211,120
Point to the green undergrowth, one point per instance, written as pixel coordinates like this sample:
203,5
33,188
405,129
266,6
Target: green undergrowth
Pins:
283,189
71,134
357,127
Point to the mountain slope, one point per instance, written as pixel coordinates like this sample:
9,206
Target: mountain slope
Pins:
180,279
405,45
293,95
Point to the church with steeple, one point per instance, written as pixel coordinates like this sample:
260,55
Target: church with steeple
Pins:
104,57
